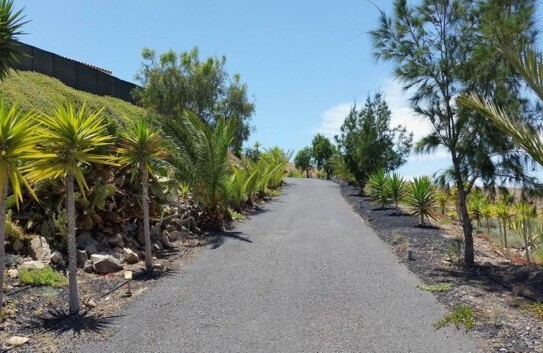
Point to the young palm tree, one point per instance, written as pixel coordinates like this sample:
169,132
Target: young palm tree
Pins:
139,147
487,210
396,188
442,199
69,140
18,144
201,157
525,213
475,206
421,198
11,22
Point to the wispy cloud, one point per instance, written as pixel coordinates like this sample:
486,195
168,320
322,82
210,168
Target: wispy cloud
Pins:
332,119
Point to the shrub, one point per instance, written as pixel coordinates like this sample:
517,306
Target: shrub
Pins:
420,196
42,277
395,188
377,188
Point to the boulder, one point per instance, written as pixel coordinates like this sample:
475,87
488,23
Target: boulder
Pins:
16,341
39,249
84,239
116,241
33,265
56,257
130,256
105,263
88,267
82,257
13,273
178,235
91,249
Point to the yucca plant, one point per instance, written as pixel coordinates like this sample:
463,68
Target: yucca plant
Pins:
487,210
442,199
377,188
503,213
396,188
11,22
421,198
201,158
18,144
69,140
475,206
525,214
140,148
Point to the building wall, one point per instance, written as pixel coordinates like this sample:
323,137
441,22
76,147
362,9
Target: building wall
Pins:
74,74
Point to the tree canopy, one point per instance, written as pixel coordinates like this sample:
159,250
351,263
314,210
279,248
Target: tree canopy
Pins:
369,143
302,160
173,83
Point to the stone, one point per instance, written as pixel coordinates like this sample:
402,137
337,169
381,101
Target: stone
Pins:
177,222
158,266
91,249
82,257
39,249
157,245
171,228
165,240
90,304
33,265
130,256
179,235
155,230
116,241
88,266
16,341
84,239
107,230
105,264
13,273
56,257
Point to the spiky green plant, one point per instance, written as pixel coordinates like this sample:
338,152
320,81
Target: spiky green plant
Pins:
11,22
503,213
377,188
18,143
487,210
396,188
201,158
475,206
442,199
140,148
525,213
421,198
70,140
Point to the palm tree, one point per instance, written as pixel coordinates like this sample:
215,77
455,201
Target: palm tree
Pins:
139,147
18,144
70,140
421,198
11,22
529,65
201,158
396,188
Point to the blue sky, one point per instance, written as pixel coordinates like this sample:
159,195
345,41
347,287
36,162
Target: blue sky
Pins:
305,62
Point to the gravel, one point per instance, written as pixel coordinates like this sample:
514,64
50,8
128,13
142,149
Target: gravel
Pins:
304,275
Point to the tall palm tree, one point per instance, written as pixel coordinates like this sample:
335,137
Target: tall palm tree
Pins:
11,22
70,139
139,147
18,143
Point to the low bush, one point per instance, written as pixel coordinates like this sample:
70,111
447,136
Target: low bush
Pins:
460,315
42,277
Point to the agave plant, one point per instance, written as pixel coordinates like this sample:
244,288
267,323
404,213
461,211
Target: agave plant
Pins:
11,22
396,188
18,144
421,198
377,188
140,148
70,140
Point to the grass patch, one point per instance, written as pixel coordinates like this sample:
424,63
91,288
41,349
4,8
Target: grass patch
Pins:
536,309
460,315
438,287
237,216
44,277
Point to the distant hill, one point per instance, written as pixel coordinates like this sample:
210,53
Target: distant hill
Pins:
34,91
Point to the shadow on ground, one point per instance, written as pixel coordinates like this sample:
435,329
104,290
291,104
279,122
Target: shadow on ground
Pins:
60,321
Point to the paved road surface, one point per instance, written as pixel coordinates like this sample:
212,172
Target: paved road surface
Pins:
309,277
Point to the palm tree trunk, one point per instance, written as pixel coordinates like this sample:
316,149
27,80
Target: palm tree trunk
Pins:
146,227
526,241
2,241
504,233
72,251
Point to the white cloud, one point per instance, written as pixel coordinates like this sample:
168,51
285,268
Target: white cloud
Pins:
332,119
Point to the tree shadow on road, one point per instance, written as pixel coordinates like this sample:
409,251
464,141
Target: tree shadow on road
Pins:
221,237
